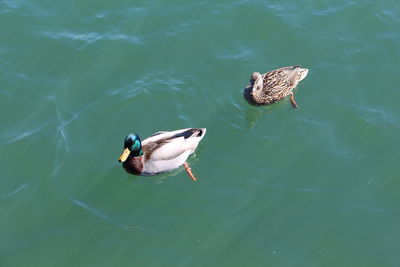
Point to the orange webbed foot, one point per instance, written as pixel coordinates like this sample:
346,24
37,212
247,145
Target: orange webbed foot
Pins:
189,171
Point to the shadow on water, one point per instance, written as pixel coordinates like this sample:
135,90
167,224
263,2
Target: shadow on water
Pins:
243,115
254,113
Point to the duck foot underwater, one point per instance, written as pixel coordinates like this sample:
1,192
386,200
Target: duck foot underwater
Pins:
294,104
189,171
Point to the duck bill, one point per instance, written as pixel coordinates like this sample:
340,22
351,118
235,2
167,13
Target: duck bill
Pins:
124,155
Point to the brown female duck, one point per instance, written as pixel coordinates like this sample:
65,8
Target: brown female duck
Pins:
272,86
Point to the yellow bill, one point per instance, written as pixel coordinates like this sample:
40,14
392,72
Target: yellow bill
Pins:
124,155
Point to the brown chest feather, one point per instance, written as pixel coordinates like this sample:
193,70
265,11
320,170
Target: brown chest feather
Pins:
133,165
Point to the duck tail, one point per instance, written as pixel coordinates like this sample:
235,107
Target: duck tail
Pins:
192,132
303,73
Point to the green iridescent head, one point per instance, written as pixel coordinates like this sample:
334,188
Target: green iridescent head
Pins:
133,143
132,147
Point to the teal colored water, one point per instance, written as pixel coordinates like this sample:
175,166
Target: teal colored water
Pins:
317,186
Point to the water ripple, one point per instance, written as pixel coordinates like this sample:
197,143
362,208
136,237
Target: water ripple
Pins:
133,88
376,115
328,133
23,7
285,187
91,37
237,52
387,15
15,191
62,123
126,12
96,212
27,133
331,9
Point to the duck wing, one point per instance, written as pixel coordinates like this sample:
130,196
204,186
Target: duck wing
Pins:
281,79
157,133
170,145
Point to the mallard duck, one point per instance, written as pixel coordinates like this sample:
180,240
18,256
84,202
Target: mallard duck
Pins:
272,86
161,152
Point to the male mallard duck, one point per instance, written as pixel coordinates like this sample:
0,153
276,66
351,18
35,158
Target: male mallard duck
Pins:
272,86
160,152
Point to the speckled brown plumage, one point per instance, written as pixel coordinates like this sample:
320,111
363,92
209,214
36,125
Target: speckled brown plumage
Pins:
272,86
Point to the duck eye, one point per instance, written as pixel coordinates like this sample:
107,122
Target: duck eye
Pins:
128,138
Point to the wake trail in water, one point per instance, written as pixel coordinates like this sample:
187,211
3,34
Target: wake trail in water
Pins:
15,191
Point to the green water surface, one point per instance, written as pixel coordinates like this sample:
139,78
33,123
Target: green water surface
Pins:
317,186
